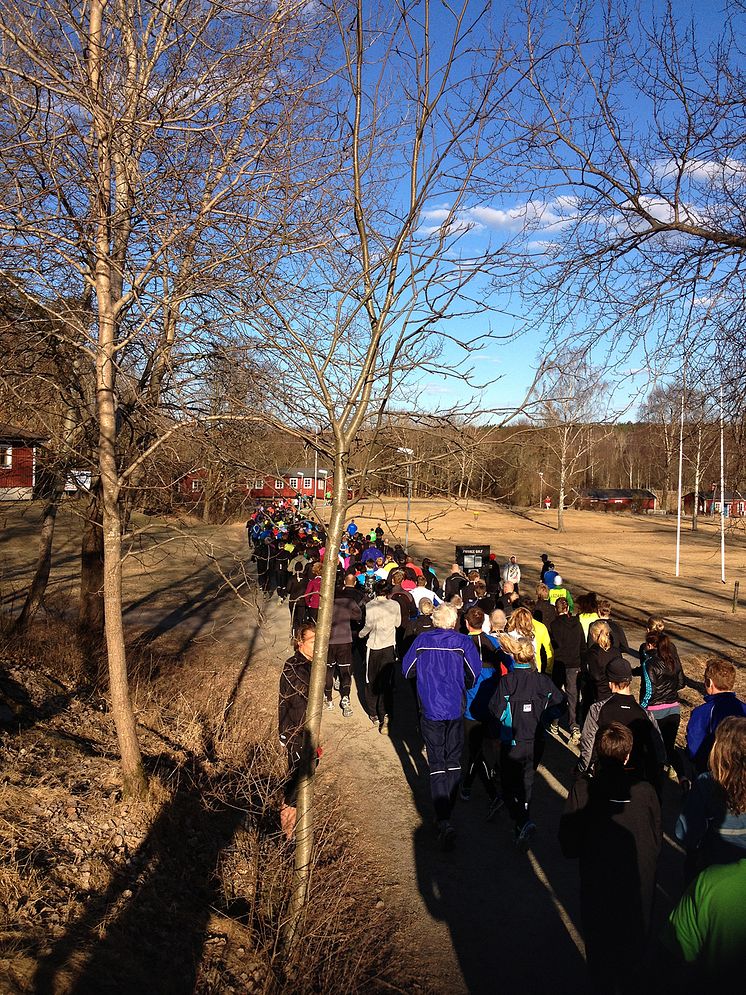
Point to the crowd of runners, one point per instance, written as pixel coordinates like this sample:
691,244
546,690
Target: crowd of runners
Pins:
497,669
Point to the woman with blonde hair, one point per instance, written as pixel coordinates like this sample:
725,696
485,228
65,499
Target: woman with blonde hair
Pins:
594,661
524,626
525,704
712,825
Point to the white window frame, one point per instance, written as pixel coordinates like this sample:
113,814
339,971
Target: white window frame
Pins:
279,484
198,485
307,483
294,483
258,485
6,457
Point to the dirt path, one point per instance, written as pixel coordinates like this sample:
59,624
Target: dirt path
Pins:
473,916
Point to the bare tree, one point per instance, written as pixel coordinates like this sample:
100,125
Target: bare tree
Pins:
573,403
632,165
145,146
367,304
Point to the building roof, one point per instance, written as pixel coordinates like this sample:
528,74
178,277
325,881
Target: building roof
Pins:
617,493
299,471
13,433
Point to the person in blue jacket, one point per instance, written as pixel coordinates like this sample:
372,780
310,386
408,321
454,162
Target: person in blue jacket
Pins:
720,702
444,663
712,825
480,728
525,704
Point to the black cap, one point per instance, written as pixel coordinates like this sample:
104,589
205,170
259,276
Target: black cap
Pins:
618,670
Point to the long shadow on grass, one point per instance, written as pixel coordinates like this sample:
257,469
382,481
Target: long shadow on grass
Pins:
146,932
200,608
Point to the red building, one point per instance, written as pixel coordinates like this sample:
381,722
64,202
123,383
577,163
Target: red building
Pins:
608,499
297,482
17,463
708,503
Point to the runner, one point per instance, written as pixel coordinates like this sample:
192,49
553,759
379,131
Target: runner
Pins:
712,825
382,617
525,704
444,663
346,613
293,701
566,634
612,825
662,679
720,702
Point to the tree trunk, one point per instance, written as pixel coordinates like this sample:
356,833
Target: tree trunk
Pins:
697,472
207,496
91,608
109,270
561,500
38,587
304,823
133,776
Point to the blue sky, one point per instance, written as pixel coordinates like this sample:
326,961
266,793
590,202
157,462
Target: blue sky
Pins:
509,364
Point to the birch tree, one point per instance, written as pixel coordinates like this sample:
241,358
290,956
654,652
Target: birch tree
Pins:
573,404
368,304
145,146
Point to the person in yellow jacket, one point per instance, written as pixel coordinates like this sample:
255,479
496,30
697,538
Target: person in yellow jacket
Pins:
522,624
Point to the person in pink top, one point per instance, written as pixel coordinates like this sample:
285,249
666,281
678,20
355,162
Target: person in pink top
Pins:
312,596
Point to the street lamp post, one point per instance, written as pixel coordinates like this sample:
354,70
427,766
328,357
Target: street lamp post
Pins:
541,489
410,453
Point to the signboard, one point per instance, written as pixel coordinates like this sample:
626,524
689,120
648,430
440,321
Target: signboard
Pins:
77,480
472,557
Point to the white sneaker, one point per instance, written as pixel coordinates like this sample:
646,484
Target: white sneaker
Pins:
346,708
329,705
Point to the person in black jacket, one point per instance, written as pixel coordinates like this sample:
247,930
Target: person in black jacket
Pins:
594,661
525,704
662,677
293,701
618,635
612,825
568,643
454,583
648,752
544,610
296,591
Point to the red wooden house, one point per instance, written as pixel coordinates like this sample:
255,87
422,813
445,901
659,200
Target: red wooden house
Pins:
17,463
293,483
606,499
301,482
708,503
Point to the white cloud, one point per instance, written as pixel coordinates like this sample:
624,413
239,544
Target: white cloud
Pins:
701,170
542,215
